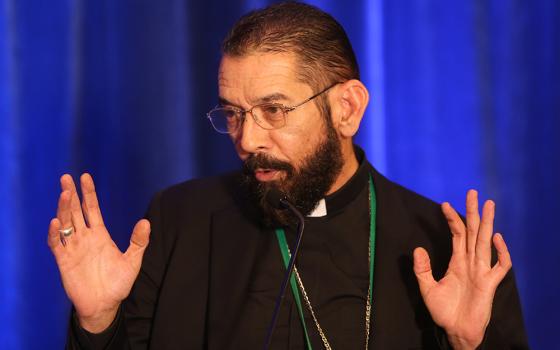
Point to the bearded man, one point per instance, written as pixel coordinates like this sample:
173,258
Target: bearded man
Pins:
203,269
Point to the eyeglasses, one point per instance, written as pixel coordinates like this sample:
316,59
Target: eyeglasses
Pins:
269,116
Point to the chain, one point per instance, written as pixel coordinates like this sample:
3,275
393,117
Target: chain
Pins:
312,312
368,302
304,293
368,299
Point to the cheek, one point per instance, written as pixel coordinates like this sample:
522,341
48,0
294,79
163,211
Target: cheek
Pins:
294,145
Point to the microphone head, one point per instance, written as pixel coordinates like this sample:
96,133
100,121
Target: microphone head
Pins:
275,198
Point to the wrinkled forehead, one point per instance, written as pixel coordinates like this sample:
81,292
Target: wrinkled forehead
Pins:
246,79
257,66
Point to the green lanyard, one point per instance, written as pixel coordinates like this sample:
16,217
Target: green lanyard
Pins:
284,249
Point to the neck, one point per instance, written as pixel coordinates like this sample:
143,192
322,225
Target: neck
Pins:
349,168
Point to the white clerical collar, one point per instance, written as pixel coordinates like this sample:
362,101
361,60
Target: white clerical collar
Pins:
320,210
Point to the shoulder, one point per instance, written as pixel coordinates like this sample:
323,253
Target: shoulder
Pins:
186,210
194,201
401,198
216,191
413,220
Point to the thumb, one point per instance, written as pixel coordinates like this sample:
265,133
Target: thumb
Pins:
423,270
138,242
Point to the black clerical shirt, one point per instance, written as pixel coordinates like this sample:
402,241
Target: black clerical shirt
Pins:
333,265
211,274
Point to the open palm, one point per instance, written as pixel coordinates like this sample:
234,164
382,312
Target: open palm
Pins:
461,302
96,275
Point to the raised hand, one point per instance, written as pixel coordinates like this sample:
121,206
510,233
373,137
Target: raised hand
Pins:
461,302
96,275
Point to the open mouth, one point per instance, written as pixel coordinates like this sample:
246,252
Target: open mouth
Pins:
266,174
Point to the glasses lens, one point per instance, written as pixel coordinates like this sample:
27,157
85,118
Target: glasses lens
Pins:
224,120
270,116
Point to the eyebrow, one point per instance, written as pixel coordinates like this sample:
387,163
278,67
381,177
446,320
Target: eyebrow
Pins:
266,99
273,97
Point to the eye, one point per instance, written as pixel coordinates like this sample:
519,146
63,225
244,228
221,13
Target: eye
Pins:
229,113
273,112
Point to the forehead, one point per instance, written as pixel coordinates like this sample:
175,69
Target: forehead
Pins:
246,79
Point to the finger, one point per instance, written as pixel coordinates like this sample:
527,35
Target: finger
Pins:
53,239
63,212
90,202
503,264
67,184
483,241
457,227
423,270
473,221
138,243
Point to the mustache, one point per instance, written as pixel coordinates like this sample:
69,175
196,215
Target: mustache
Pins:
263,161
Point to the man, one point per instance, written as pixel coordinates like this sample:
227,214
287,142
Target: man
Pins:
203,270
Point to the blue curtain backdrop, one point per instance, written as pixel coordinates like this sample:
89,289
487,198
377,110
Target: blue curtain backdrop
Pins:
464,94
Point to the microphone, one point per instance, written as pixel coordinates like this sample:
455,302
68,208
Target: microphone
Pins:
279,201
276,198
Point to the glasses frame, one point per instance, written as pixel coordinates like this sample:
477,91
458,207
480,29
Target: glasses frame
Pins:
241,114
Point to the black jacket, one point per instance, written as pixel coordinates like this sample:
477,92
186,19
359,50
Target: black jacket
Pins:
193,277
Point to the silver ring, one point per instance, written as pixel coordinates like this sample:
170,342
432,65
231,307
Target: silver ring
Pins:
67,231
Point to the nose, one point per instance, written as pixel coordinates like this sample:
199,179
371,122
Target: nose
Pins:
251,138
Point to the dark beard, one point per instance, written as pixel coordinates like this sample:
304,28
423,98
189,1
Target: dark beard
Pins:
303,188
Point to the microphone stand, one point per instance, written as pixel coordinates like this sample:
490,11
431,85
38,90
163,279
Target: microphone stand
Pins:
301,223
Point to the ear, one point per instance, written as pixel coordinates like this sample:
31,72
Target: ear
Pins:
348,106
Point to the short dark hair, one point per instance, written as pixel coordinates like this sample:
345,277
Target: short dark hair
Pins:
323,51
